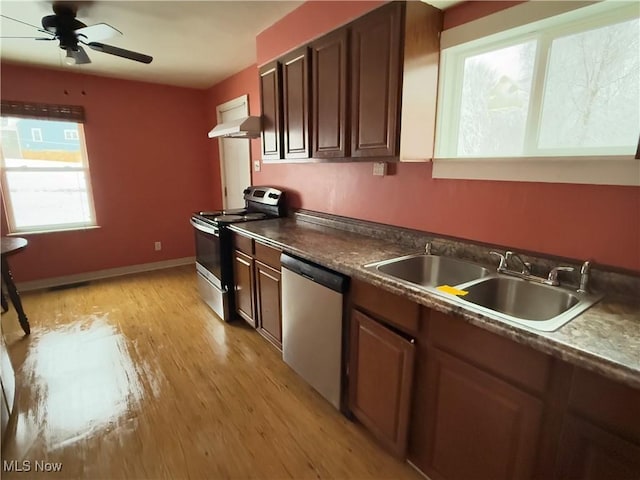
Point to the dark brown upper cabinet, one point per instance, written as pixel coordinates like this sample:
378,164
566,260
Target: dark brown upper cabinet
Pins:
329,56
270,98
295,103
375,82
346,95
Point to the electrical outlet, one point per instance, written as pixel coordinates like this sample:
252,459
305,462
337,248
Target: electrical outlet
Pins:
157,246
256,165
380,169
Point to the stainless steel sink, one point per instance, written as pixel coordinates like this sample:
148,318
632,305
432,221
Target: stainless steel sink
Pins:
508,298
431,270
538,306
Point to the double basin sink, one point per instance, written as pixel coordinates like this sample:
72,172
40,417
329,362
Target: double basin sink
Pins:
511,299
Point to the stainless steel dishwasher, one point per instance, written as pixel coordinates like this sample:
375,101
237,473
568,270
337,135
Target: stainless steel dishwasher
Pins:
312,312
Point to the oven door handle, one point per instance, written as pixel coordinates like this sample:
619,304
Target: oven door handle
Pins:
205,228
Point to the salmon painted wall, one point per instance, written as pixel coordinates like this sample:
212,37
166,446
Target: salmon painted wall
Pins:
577,221
149,170
244,82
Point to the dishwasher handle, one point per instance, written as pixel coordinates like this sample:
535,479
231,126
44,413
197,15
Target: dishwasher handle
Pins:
316,273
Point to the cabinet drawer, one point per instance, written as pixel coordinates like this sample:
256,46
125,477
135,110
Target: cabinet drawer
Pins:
396,310
608,403
242,243
518,363
268,255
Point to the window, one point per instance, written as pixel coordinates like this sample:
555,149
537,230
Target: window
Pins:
566,87
46,184
71,134
36,134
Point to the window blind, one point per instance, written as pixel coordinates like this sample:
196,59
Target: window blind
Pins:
42,111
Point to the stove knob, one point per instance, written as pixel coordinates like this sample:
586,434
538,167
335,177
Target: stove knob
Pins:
246,191
274,196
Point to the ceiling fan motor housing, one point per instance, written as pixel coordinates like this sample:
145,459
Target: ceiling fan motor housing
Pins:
63,24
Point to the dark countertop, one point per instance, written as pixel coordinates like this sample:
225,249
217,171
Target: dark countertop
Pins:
604,339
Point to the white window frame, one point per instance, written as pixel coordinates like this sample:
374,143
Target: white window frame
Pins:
44,228
36,135
71,134
605,168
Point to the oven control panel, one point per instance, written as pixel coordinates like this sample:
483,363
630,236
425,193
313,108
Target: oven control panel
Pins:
264,195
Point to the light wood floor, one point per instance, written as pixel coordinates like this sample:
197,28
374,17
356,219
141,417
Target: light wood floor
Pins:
136,378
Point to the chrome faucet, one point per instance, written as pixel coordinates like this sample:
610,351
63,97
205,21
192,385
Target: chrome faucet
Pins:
526,266
427,248
525,273
585,273
503,261
552,279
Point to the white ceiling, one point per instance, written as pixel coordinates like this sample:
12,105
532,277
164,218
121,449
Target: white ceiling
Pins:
193,44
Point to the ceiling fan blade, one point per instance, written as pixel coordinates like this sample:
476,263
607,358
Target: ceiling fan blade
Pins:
120,52
80,56
34,38
20,21
98,32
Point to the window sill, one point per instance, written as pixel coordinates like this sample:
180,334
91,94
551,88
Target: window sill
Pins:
582,170
57,230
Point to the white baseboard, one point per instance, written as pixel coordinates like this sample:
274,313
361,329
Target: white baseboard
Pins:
110,272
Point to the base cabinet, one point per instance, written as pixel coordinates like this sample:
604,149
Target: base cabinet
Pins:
382,356
486,407
590,452
600,437
479,426
269,303
244,286
258,300
380,380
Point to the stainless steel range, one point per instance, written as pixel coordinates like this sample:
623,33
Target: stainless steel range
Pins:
214,249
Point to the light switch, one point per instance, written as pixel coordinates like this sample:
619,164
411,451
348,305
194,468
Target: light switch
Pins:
256,165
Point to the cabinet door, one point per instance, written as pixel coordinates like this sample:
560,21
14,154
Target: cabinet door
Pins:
329,93
295,102
479,427
244,286
589,452
269,303
270,93
380,379
375,82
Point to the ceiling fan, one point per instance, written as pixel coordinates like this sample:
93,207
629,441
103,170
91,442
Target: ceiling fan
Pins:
73,34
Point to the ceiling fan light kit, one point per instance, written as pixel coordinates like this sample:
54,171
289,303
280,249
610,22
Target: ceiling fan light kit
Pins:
77,56
72,34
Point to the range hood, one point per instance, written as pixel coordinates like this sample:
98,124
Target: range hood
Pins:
245,127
